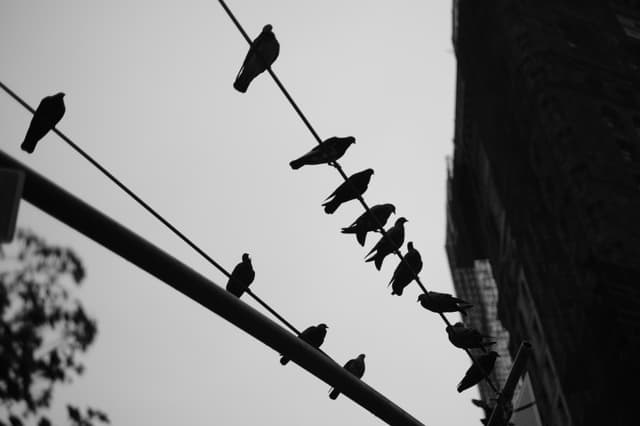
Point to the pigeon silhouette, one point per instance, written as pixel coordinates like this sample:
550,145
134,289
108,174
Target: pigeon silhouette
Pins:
328,151
388,245
354,366
241,277
313,335
351,189
467,338
370,221
47,115
442,302
263,52
406,271
478,371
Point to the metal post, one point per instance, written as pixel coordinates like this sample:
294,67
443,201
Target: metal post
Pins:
11,184
70,210
503,408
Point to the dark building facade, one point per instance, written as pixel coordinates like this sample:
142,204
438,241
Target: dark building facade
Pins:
545,186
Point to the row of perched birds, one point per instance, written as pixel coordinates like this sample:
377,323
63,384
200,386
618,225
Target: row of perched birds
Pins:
262,53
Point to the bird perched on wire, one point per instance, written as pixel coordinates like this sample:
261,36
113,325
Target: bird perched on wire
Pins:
313,335
370,221
479,370
388,244
442,302
351,189
354,366
263,52
406,271
467,338
47,115
241,277
328,151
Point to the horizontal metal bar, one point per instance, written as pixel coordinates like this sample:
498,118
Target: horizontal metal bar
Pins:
75,213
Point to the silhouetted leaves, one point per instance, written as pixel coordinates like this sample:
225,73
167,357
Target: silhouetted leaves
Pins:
43,328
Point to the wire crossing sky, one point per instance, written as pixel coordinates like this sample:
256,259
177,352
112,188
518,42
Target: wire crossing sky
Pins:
337,166
149,91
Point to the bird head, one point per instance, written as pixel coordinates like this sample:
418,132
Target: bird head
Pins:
391,208
368,171
401,220
361,356
59,94
323,325
350,139
410,245
422,296
267,28
246,258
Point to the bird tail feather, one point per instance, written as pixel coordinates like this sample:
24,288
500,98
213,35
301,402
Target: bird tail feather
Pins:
284,361
296,164
28,145
376,259
331,206
361,236
243,79
334,393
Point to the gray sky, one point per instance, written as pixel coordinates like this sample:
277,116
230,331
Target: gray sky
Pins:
149,94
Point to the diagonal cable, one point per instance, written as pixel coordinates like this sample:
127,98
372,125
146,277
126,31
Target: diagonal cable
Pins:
149,208
337,166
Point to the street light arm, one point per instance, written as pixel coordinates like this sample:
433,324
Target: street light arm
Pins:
85,219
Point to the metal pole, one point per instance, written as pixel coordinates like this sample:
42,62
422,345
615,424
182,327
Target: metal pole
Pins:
499,415
11,183
70,210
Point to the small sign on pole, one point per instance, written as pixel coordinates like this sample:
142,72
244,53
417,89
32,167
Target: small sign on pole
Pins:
11,184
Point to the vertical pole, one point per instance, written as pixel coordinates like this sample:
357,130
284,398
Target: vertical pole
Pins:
503,408
11,183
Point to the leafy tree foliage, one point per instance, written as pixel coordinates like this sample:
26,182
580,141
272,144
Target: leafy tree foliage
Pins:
43,330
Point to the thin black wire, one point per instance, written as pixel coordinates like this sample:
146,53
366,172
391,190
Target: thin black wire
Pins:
337,166
148,208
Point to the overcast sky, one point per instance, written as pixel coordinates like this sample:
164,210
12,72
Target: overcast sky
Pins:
149,94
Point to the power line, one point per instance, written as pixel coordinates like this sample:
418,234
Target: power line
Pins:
148,207
337,166
88,221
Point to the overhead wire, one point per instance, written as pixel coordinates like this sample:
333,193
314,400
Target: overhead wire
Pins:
150,209
337,166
